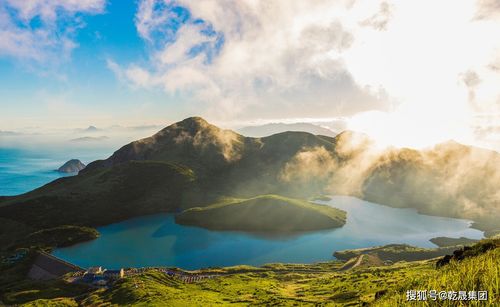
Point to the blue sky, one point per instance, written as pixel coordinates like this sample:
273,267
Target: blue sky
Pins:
373,64
83,82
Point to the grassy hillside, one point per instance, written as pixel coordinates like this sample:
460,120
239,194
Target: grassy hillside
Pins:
103,196
264,213
324,284
478,272
289,287
60,213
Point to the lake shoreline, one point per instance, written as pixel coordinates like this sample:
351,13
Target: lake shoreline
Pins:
309,247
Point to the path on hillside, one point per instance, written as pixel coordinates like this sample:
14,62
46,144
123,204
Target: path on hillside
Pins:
355,265
358,262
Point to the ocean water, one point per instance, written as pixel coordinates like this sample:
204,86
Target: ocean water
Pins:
157,240
24,170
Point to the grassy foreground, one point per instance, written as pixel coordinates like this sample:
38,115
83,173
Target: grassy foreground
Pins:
481,273
322,284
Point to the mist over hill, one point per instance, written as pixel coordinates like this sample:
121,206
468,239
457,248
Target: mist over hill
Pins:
193,163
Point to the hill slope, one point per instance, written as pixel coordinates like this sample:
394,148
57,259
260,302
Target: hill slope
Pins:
264,213
478,272
104,195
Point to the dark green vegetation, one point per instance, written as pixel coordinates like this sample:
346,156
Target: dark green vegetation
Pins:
445,241
60,236
103,195
324,284
264,213
396,252
50,291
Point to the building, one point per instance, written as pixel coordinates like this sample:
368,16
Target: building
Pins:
95,270
114,274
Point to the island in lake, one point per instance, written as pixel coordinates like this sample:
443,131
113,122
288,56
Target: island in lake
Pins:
264,213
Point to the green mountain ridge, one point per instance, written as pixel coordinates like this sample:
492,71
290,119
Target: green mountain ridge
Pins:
193,164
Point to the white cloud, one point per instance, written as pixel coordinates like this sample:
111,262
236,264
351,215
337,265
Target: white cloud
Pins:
148,18
379,20
487,9
41,30
273,55
394,69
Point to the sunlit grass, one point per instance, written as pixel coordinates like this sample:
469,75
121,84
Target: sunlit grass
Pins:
481,273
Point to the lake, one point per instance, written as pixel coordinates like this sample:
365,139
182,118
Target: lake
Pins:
157,241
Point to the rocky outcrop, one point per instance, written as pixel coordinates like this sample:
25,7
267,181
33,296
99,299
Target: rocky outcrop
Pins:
72,166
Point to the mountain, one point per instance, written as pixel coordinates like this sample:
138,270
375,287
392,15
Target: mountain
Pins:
264,213
223,161
72,166
274,128
193,164
91,129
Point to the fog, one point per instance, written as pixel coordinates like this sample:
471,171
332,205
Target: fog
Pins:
448,179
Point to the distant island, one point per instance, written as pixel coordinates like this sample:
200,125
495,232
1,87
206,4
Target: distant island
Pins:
90,139
264,213
72,166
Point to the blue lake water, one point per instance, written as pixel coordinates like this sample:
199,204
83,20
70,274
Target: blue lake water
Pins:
157,241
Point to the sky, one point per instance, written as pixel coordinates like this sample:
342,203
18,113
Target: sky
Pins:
408,73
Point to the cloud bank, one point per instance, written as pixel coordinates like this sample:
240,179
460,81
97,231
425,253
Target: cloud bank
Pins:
257,58
387,66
